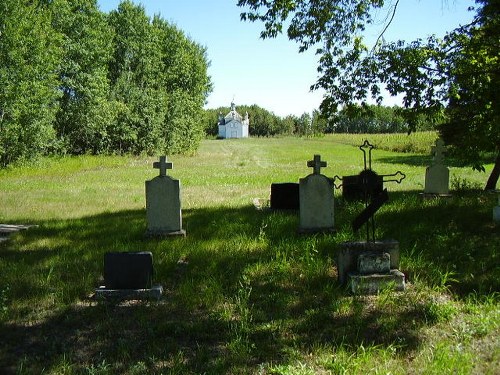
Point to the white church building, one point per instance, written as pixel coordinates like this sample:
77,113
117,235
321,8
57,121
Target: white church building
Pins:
233,125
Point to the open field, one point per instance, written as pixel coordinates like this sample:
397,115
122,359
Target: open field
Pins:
243,292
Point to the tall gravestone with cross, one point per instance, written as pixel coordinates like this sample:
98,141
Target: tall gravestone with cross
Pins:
163,203
437,175
368,266
316,200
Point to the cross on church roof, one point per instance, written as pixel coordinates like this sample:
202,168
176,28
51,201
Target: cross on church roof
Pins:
317,164
162,165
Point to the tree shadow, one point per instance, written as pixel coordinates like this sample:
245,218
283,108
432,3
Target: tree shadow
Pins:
419,160
241,289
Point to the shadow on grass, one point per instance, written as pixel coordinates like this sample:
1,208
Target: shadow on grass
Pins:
241,289
419,160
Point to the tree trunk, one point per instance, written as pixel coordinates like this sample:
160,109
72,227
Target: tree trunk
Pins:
495,173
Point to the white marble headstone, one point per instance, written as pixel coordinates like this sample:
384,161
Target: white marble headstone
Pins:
163,203
316,200
437,176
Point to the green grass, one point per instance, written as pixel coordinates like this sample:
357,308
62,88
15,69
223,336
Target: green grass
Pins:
249,294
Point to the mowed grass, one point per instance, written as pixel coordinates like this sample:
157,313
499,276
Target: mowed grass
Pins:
244,293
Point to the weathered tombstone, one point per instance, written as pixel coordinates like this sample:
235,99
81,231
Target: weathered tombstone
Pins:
316,200
285,196
437,175
370,266
128,275
163,203
496,209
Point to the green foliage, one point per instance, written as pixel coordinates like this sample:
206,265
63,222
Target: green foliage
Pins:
29,56
84,114
456,76
371,119
75,80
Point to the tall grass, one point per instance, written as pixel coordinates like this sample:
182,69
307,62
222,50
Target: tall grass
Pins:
244,293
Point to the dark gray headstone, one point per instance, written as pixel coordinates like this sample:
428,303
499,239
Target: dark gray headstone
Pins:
128,270
354,190
285,196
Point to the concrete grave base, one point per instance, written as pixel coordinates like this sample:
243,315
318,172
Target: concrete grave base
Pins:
434,196
7,229
349,252
155,292
374,283
163,234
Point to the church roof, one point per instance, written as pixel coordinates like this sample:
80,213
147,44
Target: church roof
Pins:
233,114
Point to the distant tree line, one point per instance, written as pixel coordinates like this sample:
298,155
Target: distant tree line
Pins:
76,80
264,123
352,119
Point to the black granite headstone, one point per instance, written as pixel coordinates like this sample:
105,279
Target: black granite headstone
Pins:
285,196
354,189
128,270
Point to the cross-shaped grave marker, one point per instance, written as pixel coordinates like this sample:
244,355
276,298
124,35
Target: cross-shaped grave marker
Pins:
438,151
369,180
316,164
163,165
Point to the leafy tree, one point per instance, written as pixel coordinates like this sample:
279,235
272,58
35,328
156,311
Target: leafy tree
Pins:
159,84
185,64
430,73
29,57
474,110
85,114
133,72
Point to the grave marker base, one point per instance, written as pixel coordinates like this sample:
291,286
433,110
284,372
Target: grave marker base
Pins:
102,293
374,283
434,196
163,234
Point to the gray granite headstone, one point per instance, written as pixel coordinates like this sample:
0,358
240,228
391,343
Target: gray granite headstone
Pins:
316,200
163,203
437,175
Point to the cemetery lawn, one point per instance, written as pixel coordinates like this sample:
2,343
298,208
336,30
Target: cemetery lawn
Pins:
243,292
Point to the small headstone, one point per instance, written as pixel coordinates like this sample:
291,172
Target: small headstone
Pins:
437,175
316,200
133,270
369,267
128,275
496,209
163,203
285,196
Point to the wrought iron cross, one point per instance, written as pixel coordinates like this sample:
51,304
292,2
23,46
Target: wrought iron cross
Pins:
162,165
368,180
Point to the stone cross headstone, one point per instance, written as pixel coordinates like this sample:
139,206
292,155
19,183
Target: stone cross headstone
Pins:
163,203
437,175
316,200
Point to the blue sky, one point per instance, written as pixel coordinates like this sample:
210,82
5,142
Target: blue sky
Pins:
272,73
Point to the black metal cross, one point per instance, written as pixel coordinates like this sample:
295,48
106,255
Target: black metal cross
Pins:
370,183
